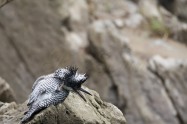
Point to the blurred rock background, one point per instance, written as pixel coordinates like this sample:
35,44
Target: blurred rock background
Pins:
134,51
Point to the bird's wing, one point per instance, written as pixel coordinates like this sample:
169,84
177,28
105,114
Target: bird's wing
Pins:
56,97
42,85
37,81
35,94
41,78
35,91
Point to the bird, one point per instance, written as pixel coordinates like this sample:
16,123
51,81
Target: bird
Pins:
74,81
54,88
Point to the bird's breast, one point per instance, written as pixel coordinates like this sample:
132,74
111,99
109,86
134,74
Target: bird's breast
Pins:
45,96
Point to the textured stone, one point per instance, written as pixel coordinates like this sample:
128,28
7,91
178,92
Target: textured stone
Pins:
6,93
176,28
139,92
172,72
74,14
73,111
177,7
41,36
35,45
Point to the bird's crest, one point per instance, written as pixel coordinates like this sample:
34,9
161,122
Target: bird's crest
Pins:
65,73
72,69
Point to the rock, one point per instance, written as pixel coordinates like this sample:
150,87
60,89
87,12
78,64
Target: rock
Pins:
138,92
74,14
4,2
1,104
6,93
172,72
103,85
75,41
175,27
134,20
177,7
6,107
161,21
180,9
104,38
95,36
146,6
73,111
168,4
180,33
19,64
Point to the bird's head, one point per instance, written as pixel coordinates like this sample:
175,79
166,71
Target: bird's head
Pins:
73,81
65,73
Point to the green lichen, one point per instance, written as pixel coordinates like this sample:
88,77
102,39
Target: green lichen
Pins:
158,27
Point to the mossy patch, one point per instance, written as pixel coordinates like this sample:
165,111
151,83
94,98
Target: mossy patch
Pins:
157,27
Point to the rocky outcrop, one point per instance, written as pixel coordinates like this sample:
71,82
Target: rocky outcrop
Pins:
139,92
6,93
180,9
4,2
177,7
163,21
110,41
73,111
34,47
172,73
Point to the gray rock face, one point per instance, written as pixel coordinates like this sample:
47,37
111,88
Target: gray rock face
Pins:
26,53
177,28
181,9
6,93
177,7
164,21
173,75
4,2
104,38
76,13
139,92
73,111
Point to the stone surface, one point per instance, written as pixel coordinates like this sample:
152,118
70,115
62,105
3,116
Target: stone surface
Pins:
180,9
6,93
110,40
177,7
162,21
74,14
4,2
146,6
34,47
73,111
137,89
173,75
176,28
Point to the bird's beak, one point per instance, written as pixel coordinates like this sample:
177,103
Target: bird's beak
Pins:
80,94
83,90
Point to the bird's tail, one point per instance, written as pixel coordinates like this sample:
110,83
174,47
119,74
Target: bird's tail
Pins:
28,115
33,110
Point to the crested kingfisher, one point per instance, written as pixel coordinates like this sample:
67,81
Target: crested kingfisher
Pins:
54,88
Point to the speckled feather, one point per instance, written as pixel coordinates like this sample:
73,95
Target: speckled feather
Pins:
44,85
53,89
45,92
45,101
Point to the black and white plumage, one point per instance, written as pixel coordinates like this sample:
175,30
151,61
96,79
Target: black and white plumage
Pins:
53,89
